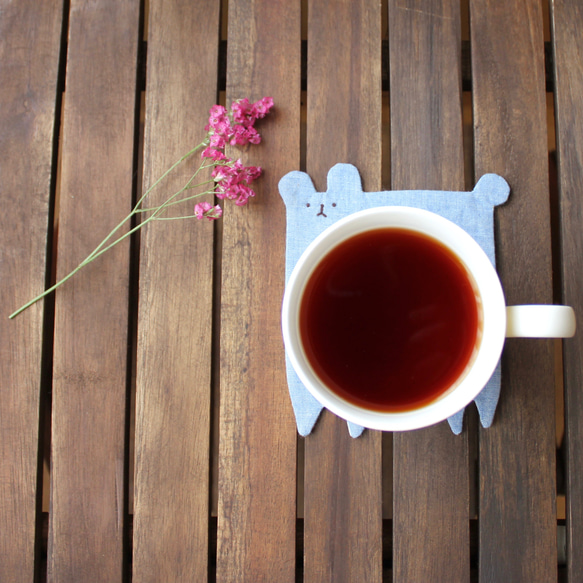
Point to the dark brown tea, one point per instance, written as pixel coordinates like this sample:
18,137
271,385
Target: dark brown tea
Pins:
389,319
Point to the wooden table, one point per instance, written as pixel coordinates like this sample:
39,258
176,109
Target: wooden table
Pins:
146,432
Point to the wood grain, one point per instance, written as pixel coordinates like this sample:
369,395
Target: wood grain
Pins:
517,454
91,313
430,466
567,22
342,479
173,393
257,467
30,38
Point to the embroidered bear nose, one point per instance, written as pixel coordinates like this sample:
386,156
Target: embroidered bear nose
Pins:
321,211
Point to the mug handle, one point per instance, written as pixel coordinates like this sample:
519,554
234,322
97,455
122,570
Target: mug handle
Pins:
540,321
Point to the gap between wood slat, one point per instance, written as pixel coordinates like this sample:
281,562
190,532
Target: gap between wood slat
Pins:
216,337
466,65
45,409
133,292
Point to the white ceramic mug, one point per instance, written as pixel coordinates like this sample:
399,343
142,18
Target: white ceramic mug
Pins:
498,320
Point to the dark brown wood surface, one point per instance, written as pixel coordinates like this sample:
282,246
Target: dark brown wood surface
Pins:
567,18
430,466
257,461
88,457
30,39
342,475
173,385
517,454
171,355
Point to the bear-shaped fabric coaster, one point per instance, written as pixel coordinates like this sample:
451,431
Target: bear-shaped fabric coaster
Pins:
310,212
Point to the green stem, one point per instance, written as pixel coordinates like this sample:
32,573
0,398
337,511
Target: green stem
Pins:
91,257
136,209
177,163
100,249
175,218
154,216
175,202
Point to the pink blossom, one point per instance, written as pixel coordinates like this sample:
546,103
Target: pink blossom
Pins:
236,128
261,108
217,141
253,172
215,213
243,112
233,181
218,111
239,136
221,172
218,127
252,135
213,153
239,192
217,117
242,136
205,209
243,194
235,172
221,128
200,208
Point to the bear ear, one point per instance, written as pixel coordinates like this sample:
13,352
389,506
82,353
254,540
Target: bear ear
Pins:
344,178
294,183
492,188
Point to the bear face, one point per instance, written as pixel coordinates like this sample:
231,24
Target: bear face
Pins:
310,212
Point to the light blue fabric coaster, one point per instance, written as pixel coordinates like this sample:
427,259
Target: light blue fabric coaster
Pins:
310,212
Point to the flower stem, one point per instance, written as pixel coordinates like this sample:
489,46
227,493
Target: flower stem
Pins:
188,198
100,249
177,163
175,218
175,202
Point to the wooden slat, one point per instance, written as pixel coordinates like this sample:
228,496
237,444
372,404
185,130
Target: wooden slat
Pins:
30,38
91,313
517,454
430,466
257,468
342,480
173,401
567,19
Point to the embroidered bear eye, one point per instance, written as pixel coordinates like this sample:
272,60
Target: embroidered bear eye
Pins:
308,205
333,204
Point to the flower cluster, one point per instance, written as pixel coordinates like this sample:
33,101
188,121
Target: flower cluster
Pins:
229,179
236,128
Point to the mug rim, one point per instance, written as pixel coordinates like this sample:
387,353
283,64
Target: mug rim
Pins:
471,255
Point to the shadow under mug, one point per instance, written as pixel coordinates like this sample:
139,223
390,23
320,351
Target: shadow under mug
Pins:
497,320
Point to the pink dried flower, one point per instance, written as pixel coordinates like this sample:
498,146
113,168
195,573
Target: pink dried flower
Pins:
205,209
242,136
237,128
217,141
221,172
238,192
241,193
261,108
233,181
214,154
243,112
217,117
253,173
239,136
